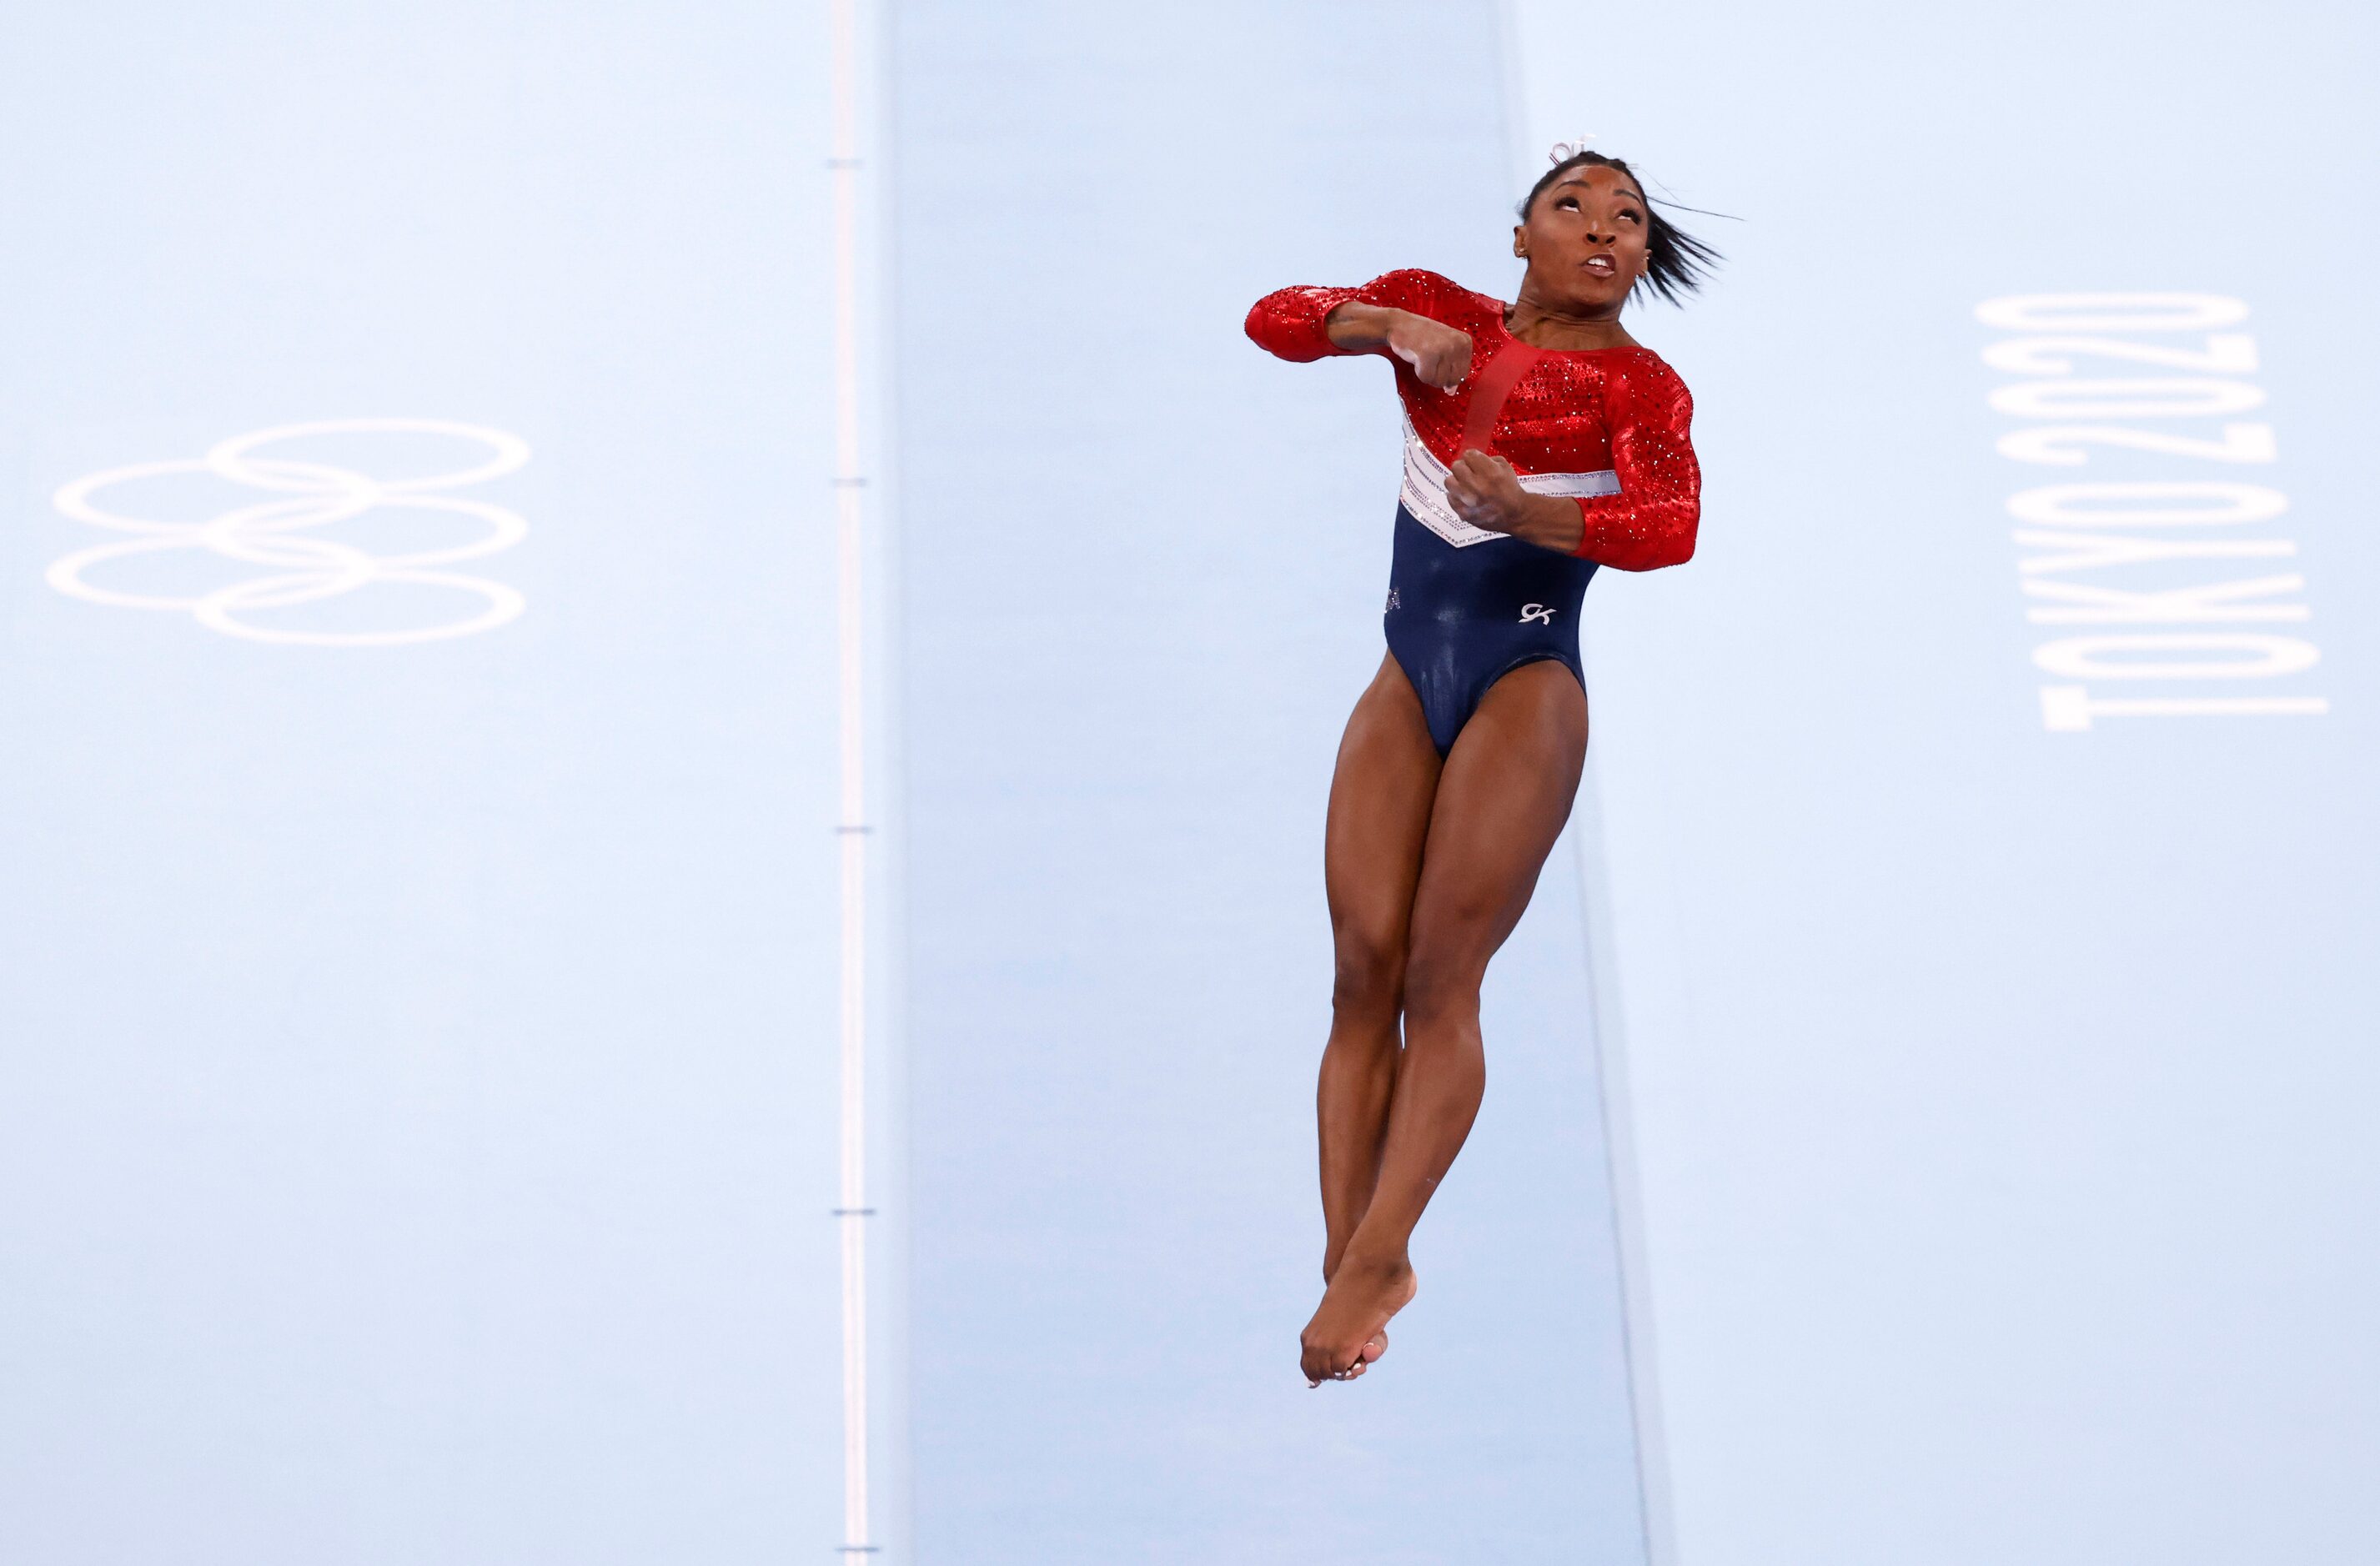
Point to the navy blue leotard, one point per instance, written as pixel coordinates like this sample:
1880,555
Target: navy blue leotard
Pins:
1460,619
1607,428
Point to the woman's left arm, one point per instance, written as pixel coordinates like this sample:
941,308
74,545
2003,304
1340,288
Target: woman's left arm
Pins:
1649,524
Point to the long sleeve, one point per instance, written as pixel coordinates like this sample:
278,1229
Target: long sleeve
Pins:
1288,323
1651,522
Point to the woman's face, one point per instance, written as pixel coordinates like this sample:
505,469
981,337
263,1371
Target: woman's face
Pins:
1585,240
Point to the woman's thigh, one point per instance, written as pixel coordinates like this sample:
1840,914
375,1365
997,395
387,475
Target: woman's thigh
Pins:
1505,791
1380,797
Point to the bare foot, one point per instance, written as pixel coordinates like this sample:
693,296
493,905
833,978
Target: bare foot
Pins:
1374,1346
1338,1344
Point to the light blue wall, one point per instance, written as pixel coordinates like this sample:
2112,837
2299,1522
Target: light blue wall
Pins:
1144,567
2000,1095
416,1061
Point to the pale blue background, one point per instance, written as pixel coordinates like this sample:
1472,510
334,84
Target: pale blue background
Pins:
1143,572
416,1065
2001,1099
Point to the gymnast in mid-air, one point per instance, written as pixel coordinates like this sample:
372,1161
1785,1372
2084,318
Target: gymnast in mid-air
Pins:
1541,441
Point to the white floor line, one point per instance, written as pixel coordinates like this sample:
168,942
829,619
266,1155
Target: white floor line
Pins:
852,1211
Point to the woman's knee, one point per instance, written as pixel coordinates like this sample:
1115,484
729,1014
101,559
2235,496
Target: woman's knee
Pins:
1440,983
1370,972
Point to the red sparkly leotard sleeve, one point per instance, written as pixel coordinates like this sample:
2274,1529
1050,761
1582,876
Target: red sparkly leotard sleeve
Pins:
1652,521
1289,322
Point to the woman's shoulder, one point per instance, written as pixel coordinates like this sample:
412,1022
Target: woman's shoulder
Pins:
1637,363
1428,293
1646,383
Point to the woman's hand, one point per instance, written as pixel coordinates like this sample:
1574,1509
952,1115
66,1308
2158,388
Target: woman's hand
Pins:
1440,354
1485,493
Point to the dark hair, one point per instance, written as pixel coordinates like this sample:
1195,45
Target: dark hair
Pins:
1677,260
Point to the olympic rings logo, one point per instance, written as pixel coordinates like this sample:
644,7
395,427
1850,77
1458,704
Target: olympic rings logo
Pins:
279,534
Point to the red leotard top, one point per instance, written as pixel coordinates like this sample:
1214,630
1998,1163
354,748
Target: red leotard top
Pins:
1620,409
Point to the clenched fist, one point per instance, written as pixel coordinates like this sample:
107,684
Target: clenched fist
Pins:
1485,493
1440,354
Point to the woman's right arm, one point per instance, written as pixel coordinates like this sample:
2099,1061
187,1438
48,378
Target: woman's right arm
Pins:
1300,325
1440,354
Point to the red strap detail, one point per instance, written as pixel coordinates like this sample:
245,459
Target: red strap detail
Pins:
1495,382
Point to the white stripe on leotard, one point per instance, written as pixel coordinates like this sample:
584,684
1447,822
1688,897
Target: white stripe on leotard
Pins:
1425,492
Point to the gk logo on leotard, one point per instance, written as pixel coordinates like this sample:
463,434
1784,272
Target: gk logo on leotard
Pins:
1536,612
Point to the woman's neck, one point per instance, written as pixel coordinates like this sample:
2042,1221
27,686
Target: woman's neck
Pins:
1549,326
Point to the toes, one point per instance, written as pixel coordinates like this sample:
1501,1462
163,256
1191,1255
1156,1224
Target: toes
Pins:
1320,1365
